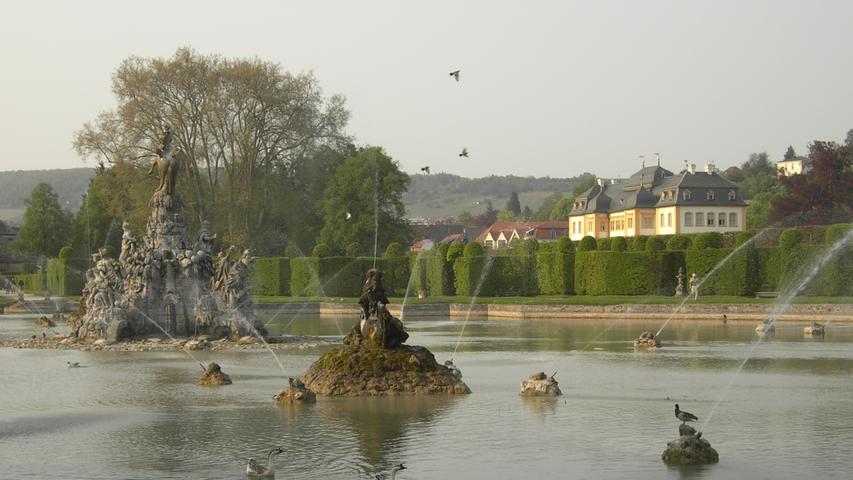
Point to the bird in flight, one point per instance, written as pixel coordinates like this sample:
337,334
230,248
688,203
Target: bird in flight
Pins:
425,169
464,152
455,74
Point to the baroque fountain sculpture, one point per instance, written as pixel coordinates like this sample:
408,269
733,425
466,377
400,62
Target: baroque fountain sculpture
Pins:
165,282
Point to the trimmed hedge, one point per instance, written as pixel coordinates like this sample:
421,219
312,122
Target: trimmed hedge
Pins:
555,269
738,276
708,240
33,282
271,276
678,242
440,272
626,273
63,280
587,244
655,244
618,244
602,244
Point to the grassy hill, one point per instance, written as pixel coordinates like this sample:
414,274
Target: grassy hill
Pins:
444,195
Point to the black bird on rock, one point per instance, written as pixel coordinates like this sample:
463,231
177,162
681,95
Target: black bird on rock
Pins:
455,74
684,416
425,169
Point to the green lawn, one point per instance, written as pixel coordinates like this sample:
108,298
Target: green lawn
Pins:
6,300
563,299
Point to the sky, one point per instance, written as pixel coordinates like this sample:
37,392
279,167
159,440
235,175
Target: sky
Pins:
547,88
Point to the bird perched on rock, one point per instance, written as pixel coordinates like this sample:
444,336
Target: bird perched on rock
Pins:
464,152
425,169
684,416
394,471
455,74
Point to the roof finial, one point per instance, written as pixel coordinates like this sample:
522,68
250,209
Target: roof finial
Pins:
643,159
658,155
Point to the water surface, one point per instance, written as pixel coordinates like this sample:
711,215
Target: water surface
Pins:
140,415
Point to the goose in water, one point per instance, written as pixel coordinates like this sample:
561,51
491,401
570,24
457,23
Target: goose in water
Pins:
394,471
684,416
73,365
256,470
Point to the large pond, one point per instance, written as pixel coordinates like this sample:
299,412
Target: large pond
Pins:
789,414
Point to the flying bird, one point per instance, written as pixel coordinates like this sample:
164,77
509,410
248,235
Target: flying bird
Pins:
464,152
684,416
256,470
425,169
455,74
394,471
349,215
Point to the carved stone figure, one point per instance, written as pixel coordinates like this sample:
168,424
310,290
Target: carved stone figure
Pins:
372,294
205,238
679,285
377,326
166,165
694,286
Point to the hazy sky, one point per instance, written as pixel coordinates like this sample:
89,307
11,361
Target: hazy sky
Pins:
548,88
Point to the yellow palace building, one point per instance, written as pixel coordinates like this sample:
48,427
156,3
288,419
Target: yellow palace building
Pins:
655,201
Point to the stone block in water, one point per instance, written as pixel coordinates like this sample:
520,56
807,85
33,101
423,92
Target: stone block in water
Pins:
540,384
647,340
295,392
814,330
689,449
213,375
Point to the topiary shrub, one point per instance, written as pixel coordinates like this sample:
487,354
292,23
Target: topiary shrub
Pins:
708,240
565,245
587,244
394,249
353,249
602,244
65,255
678,242
292,251
789,240
655,244
638,244
835,232
321,250
455,251
618,244
473,249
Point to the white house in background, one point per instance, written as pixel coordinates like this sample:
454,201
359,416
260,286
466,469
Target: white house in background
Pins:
502,234
655,201
794,166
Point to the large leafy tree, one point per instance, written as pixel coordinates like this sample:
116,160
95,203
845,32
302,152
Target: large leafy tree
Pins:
239,126
97,223
46,225
366,184
758,174
824,194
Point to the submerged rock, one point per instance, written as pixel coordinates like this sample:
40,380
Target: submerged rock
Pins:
647,340
814,330
540,384
213,375
295,392
45,322
689,449
765,327
361,370
197,345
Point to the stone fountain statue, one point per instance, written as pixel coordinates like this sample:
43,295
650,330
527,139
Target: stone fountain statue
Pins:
374,359
679,285
165,282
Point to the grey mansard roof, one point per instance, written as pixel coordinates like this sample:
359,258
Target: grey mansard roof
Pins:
643,190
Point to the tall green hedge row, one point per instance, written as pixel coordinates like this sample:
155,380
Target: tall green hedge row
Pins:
626,273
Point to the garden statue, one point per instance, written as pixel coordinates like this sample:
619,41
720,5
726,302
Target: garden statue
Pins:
679,285
694,286
377,326
166,165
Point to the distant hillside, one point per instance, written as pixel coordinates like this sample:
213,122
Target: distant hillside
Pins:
444,195
15,187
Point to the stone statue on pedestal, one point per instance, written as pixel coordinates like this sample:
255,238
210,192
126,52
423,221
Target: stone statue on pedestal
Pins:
679,285
377,326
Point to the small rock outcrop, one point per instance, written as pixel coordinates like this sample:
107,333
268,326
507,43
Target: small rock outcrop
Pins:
540,385
295,392
689,449
814,330
647,340
765,327
213,375
45,322
374,361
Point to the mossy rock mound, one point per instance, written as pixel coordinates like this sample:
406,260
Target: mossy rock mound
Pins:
369,371
690,450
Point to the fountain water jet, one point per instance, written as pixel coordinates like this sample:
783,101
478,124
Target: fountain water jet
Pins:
409,284
483,274
780,308
170,336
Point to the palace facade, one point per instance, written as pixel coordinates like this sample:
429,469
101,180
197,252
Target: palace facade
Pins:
655,201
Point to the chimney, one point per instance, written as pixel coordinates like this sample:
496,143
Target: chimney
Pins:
709,168
600,182
691,168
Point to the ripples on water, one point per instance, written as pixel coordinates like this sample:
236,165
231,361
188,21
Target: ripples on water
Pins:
140,415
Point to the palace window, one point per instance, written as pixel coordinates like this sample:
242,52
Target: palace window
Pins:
630,223
688,195
709,195
721,219
603,227
688,219
669,219
648,221
732,195
710,219
700,219
553,233
489,243
733,219
661,220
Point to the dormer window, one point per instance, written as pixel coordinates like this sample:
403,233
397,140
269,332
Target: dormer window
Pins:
688,195
670,194
709,195
732,195
663,195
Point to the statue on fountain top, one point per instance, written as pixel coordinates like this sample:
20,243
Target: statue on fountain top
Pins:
377,327
165,164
